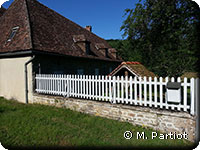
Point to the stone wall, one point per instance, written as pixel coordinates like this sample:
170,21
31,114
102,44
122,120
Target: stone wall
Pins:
162,120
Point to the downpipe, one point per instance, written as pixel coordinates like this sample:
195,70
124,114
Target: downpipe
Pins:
26,78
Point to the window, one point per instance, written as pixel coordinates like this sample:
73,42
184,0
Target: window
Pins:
106,51
96,71
58,72
80,71
87,48
110,70
12,34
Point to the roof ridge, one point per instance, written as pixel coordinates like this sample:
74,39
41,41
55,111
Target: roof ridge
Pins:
131,63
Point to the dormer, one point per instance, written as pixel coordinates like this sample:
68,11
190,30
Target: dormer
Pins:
82,42
113,52
2,11
102,48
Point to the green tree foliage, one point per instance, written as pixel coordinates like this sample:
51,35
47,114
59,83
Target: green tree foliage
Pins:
124,48
163,35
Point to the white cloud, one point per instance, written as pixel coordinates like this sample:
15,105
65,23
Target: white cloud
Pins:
2,1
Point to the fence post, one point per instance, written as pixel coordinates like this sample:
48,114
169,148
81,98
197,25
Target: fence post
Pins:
166,104
197,110
36,79
192,96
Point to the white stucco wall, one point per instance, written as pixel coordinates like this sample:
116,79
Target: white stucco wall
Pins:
12,78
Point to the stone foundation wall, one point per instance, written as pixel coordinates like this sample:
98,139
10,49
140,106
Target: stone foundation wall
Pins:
162,120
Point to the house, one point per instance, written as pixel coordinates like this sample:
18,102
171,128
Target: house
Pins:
134,69
35,39
190,75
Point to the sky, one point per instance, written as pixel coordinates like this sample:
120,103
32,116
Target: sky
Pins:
105,16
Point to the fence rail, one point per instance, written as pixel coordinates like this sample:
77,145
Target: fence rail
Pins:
133,91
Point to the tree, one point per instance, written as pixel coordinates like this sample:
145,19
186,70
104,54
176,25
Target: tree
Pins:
165,34
123,50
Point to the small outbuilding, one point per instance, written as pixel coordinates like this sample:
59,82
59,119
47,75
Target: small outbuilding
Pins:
190,75
132,69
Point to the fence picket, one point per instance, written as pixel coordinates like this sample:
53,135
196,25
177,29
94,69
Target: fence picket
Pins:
102,89
90,91
179,106
122,89
135,90
99,87
114,90
126,89
192,95
118,89
93,87
145,91
110,89
131,90
161,92
173,80
150,91
106,87
185,94
140,90
96,88
155,92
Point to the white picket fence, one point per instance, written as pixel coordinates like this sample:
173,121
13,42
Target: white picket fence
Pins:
133,91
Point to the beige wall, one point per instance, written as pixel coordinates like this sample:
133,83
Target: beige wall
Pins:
12,78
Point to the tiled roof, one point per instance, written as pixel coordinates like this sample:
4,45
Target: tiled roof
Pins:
191,75
42,29
136,67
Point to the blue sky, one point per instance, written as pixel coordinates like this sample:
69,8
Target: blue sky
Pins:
105,16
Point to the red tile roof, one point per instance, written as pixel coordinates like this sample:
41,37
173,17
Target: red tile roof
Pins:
136,67
42,29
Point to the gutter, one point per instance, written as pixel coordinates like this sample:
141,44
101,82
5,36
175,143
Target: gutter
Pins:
15,54
26,78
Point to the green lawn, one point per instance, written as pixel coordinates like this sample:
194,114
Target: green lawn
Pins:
38,125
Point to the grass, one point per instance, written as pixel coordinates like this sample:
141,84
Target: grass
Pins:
39,125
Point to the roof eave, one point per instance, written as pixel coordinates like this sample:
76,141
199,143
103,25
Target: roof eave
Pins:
65,55
35,52
16,53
